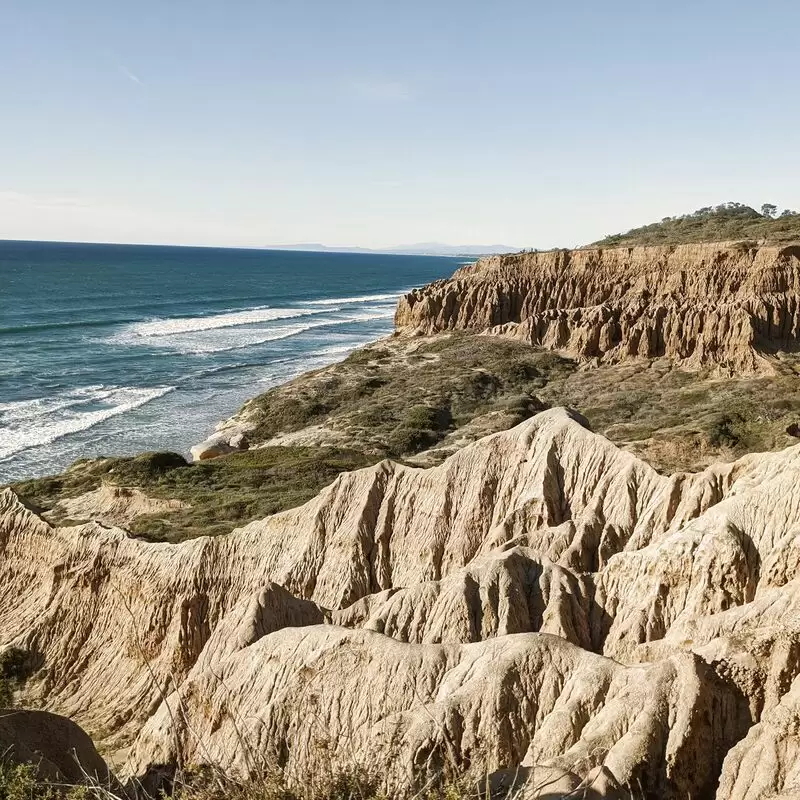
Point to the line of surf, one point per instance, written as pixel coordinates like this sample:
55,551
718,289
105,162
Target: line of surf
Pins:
52,326
253,338
177,325
62,417
367,298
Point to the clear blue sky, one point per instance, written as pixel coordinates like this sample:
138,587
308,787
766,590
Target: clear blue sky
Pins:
377,123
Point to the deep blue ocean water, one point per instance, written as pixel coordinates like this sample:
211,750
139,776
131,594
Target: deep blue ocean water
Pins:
116,349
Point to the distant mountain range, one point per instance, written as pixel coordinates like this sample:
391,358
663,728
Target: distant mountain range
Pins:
419,249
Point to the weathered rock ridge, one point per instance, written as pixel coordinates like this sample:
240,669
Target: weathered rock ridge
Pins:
727,306
542,599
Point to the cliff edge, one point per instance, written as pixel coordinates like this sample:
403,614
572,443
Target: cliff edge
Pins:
729,306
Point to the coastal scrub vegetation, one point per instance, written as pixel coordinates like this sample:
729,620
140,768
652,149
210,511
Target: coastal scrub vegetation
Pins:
418,400
722,223
399,401
220,494
14,670
453,388
22,781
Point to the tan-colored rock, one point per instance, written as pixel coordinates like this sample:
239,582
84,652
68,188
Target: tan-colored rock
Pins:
115,505
299,698
484,598
510,591
213,447
722,305
231,436
766,763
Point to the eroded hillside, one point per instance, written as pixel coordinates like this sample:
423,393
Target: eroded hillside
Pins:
541,599
525,592
728,307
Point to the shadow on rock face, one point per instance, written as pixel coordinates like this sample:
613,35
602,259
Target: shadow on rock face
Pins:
62,751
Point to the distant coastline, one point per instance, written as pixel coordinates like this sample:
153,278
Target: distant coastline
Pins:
434,249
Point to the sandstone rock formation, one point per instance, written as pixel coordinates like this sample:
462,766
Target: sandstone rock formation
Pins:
721,305
542,600
229,437
527,699
114,505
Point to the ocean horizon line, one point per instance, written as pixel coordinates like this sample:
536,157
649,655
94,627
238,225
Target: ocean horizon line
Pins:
287,248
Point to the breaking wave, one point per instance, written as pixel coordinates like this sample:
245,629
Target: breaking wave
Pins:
32,423
367,298
170,327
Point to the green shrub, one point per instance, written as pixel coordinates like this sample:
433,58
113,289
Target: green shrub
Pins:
6,695
15,667
431,418
477,385
367,354
144,468
375,416
520,372
14,664
725,222
407,441
22,782
366,387
522,405
726,431
281,414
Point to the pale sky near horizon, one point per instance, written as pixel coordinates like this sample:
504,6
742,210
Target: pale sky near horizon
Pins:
531,124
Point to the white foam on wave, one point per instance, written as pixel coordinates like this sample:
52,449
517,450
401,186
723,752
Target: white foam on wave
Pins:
32,423
310,361
362,315
171,327
338,350
221,341
367,298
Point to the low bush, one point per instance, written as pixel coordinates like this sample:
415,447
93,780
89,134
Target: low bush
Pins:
432,418
14,664
725,431
722,223
15,668
221,493
405,441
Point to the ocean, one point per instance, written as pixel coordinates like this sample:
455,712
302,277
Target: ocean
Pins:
118,349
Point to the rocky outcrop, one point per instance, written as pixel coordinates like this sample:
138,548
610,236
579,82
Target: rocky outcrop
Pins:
541,600
528,699
508,591
114,505
227,440
725,306
774,741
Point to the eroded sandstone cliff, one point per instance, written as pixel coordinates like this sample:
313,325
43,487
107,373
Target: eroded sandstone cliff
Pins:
541,600
722,305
